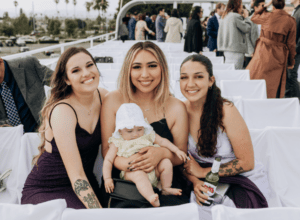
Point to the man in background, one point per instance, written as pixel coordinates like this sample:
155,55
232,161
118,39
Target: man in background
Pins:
160,25
22,91
131,26
149,22
213,28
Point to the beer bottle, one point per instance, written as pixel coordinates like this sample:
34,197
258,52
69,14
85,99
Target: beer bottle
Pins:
211,180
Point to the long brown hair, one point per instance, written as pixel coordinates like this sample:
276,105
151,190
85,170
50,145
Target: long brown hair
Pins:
126,87
212,115
232,6
59,91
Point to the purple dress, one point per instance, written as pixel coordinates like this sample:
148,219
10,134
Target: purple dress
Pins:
49,180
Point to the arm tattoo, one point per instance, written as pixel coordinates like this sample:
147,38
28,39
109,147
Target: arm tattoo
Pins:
81,185
231,168
91,200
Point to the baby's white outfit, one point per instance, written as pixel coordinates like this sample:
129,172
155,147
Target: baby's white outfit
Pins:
128,116
128,148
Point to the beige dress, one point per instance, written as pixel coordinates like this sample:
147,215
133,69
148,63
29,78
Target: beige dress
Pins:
140,30
128,148
173,29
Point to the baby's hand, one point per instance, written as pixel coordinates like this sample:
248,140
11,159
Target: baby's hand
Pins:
181,155
109,185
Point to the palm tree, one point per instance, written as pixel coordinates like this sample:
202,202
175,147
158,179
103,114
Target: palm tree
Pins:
75,3
104,6
56,2
67,2
97,6
16,5
88,6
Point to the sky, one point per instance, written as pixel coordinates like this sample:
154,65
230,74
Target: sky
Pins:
48,7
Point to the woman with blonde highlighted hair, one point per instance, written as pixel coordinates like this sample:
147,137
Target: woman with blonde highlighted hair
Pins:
70,135
144,80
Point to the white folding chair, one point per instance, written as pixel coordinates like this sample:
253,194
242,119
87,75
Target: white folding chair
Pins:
248,89
221,212
186,211
10,139
29,149
231,75
259,114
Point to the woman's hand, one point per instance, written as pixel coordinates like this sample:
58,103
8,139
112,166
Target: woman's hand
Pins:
150,157
198,189
193,168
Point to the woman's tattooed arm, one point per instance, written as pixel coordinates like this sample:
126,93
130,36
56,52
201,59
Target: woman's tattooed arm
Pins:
231,168
85,193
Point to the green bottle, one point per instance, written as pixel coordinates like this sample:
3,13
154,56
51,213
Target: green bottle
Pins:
211,180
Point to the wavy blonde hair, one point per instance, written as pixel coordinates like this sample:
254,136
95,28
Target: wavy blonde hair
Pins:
59,91
125,85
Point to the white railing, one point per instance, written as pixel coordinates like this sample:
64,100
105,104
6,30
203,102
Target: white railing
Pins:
62,46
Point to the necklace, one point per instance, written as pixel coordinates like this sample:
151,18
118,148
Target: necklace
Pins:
89,111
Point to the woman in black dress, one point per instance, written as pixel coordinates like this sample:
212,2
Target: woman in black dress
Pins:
70,135
193,37
144,80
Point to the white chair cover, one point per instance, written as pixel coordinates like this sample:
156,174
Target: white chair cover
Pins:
10,139
237,101
259,114
29,149
248,89
221,212
104,66
109,75
278,149
231,75
51,210
109,86
187,211
209,54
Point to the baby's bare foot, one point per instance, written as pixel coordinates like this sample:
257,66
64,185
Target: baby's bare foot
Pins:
171,191
154,200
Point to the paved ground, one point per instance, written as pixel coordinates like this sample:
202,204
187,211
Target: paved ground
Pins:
15,49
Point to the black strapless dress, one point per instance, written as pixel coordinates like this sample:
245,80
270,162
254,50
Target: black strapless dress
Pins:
161,128
49,180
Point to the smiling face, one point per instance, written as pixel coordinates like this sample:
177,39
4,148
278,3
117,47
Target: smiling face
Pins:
130,134
145,72
195,81
82,73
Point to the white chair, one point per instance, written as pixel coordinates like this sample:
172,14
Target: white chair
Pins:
209,54
259,114
116,66
177,92
29,149
221,212
10,139
104,66
231,75
186,211
278,149
248,89
223,66
51,210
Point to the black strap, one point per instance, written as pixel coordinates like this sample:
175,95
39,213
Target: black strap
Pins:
99,96
57,105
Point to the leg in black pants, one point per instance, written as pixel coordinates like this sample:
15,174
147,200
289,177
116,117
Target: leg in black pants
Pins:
124,37
292,85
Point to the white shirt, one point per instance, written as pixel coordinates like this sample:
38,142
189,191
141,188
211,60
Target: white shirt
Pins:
218,17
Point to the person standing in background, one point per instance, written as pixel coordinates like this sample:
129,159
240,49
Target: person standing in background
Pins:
123,31
149,22
152,28
131,26
292,85
174,28
232,34
160,25
275,49
213,28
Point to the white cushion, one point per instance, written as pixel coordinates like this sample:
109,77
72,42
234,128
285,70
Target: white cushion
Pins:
187,211
259,114
221,212
51,210
248,89
10,139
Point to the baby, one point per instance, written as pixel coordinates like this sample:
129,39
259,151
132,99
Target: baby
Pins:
132,133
